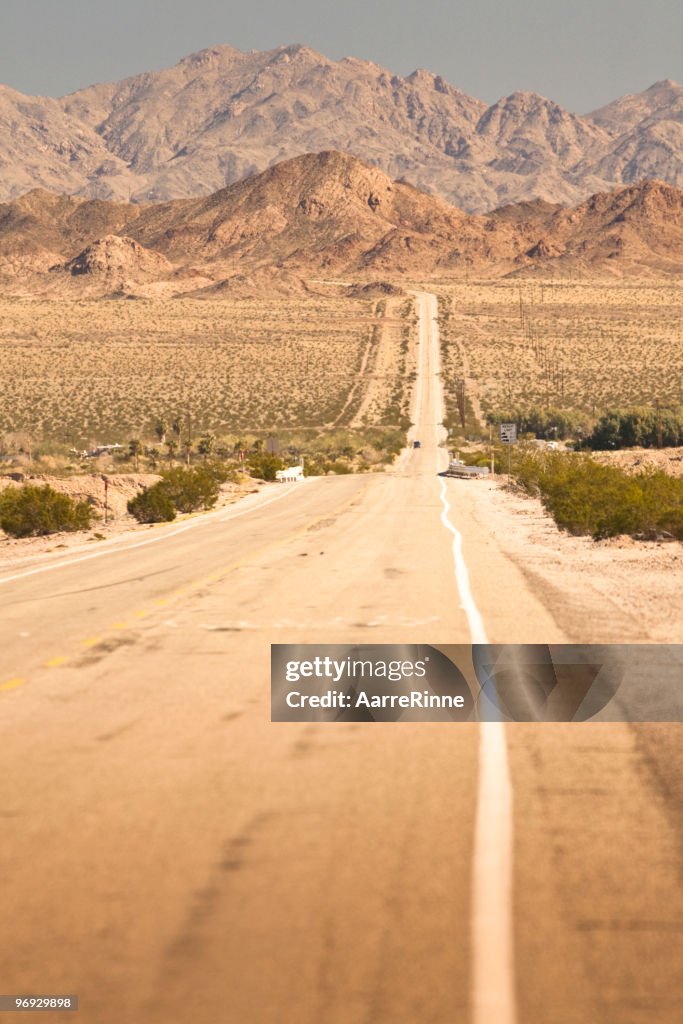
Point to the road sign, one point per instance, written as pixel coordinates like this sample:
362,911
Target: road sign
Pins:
508,433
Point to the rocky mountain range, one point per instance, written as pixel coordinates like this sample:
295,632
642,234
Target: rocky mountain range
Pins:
221,115
324,215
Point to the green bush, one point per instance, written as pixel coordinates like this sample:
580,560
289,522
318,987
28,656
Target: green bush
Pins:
264,466
181,490
153,505
190,490
586,497
36,511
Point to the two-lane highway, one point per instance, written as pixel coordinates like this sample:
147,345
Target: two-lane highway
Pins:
173,857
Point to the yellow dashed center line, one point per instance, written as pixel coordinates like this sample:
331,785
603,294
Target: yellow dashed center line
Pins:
12,684
56,662
214,577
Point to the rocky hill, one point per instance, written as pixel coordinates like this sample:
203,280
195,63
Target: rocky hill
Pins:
221,115
325,213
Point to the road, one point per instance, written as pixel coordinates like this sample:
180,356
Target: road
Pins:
171,856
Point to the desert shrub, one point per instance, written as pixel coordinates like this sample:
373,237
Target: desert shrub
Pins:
586,497
181,490
36,511
597,500
264,466
218,471
153,505
662,506
190,490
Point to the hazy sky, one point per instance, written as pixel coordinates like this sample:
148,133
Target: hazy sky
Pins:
581,53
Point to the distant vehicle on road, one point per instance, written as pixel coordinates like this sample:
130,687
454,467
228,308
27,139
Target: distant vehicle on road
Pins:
417,444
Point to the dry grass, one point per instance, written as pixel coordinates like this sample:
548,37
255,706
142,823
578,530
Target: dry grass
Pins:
106,371
581,346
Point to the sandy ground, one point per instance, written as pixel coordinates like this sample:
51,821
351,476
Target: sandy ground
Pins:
627,590
636,460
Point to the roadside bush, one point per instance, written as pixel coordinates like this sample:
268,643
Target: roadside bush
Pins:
264,466
190,490
585,497
36,511
153,505
662,503
180,490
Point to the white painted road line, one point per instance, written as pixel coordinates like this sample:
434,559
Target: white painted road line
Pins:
462,576
493,970
491,928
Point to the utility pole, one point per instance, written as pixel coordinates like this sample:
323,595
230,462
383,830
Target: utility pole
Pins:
188,443
659,424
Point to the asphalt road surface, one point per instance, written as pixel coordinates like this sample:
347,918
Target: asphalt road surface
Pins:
172,857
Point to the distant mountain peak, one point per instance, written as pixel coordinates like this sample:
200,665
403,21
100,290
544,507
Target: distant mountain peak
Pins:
211,53
665,84
221,114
